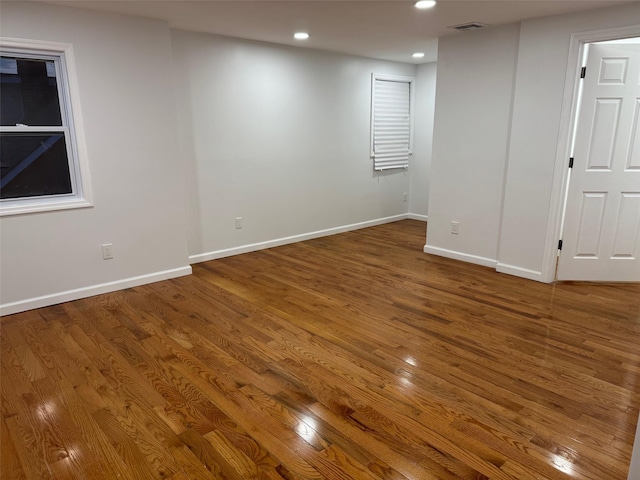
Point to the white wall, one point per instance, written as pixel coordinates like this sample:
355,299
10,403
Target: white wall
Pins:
498,106
124,76
537,109
634,468
276,135
472,116
280,137
423,138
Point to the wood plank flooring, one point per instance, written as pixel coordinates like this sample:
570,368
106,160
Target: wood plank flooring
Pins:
350,356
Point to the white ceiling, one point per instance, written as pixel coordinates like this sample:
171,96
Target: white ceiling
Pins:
389,30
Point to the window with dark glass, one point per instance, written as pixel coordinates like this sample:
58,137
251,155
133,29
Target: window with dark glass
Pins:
35,136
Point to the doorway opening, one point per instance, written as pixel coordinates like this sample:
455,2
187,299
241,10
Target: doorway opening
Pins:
599,223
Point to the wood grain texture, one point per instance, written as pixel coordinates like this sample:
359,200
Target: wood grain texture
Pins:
354,356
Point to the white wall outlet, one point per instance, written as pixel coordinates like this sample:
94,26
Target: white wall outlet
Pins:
405,195
107,251
238,222
455,227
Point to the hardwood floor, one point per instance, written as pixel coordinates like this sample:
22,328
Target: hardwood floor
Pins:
351,356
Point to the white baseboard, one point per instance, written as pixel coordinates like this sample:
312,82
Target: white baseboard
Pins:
520,272
634,468
487,262
69,295
416,216
465,257
253,247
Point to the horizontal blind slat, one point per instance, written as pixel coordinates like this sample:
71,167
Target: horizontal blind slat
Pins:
391,125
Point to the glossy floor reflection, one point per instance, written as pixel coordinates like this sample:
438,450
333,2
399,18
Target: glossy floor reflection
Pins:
350,356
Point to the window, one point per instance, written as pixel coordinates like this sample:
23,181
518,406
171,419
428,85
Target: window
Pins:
391,121
40,168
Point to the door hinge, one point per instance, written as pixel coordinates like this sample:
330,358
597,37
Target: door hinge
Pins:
571,162
559,244
583,72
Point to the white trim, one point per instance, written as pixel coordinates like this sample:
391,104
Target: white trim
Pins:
23,129
634,467
70,109
520,272
77,124
567,119
464,257
416,216
48,205
253,247
69,295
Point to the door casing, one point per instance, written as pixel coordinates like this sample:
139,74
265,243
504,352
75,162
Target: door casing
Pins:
567,121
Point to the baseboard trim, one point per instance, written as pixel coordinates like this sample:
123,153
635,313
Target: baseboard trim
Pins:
76,294
253,247
416,216
465,257
69,295
520,272
634,468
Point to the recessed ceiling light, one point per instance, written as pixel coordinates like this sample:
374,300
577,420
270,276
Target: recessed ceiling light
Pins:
418,55
425,4
301,35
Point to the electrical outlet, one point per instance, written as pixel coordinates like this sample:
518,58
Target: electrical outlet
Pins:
238,222
455,227
405,196
107,251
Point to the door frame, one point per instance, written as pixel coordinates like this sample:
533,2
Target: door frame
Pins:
567,122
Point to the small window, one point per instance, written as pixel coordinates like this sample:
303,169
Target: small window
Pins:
391,121
39,164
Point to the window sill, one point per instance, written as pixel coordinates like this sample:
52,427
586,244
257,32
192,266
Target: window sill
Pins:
43,206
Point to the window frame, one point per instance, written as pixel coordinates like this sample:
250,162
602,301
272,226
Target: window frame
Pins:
400,79
62,56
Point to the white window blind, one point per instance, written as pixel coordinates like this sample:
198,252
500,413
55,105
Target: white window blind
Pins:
391,120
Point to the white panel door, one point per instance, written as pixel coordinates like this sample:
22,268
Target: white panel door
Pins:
601,240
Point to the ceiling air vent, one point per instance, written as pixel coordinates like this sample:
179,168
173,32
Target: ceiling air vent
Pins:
465,27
